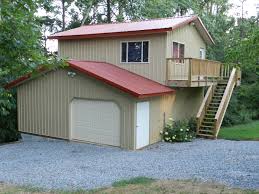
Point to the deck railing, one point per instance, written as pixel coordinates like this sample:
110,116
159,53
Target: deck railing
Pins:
195,70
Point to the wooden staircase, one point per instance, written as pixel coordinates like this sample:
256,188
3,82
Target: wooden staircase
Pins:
214,105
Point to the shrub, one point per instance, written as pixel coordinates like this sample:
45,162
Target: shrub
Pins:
178,131
192,124
8,118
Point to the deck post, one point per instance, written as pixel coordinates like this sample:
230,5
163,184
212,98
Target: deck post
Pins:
190,72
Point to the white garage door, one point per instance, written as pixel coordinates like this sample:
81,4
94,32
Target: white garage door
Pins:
95,121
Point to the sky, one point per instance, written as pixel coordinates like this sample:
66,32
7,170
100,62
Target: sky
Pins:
251,7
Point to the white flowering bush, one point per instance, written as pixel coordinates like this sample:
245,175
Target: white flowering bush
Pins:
177,131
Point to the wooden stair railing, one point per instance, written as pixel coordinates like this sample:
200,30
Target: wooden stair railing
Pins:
225,100
204,105
215,103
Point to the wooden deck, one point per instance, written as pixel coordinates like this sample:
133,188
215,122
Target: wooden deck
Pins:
191,72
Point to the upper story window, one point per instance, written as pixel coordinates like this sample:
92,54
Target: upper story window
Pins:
178,51
202,53
136,52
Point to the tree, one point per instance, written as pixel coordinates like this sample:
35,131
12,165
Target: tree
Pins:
64,6
20,52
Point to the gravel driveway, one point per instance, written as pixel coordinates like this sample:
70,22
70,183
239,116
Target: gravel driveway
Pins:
57,164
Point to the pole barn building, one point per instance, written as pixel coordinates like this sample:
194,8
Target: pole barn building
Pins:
94,102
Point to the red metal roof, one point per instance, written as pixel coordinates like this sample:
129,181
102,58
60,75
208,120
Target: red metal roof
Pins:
115,76
122,79
131,28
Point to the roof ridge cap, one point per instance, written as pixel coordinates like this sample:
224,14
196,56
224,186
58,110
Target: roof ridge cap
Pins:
143,20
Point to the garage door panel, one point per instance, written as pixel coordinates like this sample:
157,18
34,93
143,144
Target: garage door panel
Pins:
96,121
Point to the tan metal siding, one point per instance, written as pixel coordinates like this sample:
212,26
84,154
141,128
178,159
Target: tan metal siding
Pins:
160,111
109,50
187,102
44,104
190,37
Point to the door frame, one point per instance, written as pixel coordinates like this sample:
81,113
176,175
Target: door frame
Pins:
136,126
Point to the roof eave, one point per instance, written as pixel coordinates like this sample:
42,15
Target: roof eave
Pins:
210,39
155,94
113,34
25,78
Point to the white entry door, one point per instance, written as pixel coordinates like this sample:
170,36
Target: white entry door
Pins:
142,129
95,121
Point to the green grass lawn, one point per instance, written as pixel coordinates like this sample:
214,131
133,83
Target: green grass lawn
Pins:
140,185
248,131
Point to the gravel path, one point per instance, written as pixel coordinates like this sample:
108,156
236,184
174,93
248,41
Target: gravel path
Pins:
57,164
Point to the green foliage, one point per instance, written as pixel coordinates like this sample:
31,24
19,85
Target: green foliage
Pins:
178,131
133,181
243,106
192,123
20,52
8,118
243,49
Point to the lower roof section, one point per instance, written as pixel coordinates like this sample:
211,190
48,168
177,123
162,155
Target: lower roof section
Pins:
129,82
122,79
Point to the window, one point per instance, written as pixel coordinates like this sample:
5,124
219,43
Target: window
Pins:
202,53
178,51
137,52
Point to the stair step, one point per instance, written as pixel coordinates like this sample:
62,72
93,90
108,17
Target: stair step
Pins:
206,131
219,96
212,107
206,135
208,123
211,112
210,119
207,114
214,103
206,126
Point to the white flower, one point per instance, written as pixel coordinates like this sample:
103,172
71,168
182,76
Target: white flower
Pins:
173,137
187,129
161,132
170,140
170,119
167,138
166,133
181,129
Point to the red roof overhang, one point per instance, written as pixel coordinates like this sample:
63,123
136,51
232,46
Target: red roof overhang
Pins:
115,76
114,34
24,78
